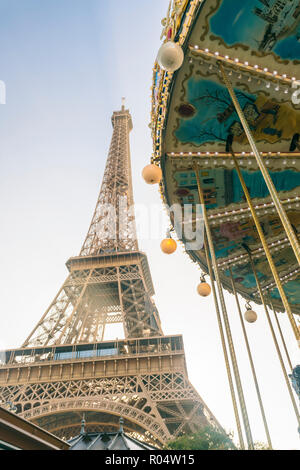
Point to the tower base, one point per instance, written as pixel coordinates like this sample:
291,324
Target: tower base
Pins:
144,380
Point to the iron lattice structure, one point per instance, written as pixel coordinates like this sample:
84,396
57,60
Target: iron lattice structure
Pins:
65,366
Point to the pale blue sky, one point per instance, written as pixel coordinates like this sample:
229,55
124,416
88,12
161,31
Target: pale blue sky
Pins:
66,65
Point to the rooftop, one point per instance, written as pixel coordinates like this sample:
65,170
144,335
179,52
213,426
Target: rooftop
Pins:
118,440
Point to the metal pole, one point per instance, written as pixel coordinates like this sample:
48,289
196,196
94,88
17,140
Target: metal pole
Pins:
251,363
281,334
225,317
267,251
233,397
275,340
277,203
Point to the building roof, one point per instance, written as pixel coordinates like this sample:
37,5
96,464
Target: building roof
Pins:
17,433
118,440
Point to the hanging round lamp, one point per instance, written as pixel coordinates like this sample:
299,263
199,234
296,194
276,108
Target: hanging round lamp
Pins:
250,316
168,245
152,174
203,288
170,56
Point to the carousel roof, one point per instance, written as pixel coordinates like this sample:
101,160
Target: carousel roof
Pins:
258,43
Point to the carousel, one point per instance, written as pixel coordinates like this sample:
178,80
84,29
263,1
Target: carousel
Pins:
225,124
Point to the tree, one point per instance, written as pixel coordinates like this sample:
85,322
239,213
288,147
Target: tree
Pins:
261,446
205,439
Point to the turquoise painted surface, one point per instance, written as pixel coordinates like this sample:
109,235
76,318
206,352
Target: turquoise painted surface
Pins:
215,116
283,181
264,25
229,237
292,291
244,276
231,246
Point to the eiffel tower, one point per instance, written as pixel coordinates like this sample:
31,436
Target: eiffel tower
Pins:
65,367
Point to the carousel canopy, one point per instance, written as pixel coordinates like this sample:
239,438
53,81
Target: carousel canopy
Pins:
194,119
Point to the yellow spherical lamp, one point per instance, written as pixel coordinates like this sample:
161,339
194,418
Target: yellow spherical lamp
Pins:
168,246
170,56
203,288
152,174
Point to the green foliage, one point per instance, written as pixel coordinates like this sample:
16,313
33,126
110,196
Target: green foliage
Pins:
261,446
205,439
